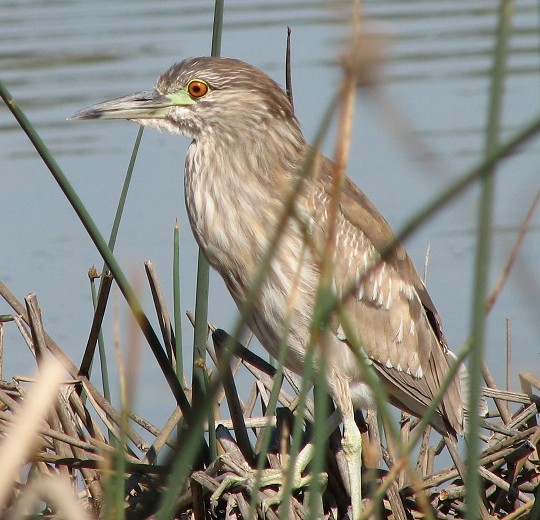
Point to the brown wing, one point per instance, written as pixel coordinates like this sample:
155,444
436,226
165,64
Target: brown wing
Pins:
393,315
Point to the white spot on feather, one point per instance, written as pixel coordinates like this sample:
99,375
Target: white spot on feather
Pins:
399,334
408,291
375,291
340,333
389,299
381,275
365,258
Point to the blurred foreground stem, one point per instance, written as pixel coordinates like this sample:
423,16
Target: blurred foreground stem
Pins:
481,278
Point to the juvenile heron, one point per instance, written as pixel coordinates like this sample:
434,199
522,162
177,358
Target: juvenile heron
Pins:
246,153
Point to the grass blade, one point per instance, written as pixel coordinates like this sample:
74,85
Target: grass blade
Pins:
482,263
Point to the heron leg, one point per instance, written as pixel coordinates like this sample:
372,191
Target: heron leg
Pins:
351,443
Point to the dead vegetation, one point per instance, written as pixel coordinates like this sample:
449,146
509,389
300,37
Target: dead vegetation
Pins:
77,441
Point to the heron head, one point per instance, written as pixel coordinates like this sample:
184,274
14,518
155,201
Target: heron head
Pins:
202,96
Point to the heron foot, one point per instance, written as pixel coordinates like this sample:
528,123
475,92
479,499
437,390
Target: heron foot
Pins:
258,482
254,479
299,482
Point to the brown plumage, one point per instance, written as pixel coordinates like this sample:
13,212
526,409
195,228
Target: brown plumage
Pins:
246,153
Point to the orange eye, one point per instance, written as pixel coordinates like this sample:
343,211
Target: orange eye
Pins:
197,88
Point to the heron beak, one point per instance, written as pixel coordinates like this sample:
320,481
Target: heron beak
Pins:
149,104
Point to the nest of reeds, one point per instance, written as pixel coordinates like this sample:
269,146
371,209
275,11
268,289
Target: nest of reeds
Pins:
83,440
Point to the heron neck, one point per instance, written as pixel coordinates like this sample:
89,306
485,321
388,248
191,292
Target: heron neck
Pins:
235,193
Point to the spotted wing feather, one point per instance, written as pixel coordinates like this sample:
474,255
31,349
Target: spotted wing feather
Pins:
388,305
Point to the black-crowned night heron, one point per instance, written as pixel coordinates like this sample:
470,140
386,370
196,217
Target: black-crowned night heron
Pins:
246,154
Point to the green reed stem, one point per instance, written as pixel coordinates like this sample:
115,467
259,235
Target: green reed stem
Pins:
125,189
101,246
320,433
307,378
270,410
200,334
177,307
217,29
112,242
102,356
201,299
201,396
485,219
